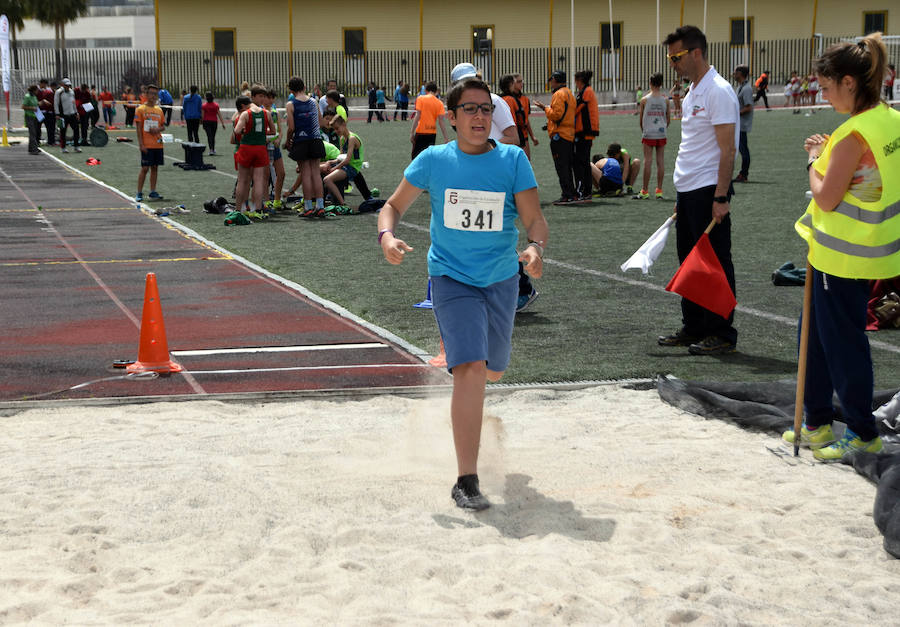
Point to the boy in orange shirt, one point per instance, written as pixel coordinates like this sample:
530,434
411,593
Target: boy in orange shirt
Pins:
149,121
428,114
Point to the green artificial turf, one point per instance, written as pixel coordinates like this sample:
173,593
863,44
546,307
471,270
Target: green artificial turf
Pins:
588,323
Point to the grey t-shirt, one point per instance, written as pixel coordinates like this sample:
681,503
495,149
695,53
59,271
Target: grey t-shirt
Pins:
745,97
654,120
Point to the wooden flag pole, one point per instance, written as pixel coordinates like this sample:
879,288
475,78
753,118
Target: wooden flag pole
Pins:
801,363
710,227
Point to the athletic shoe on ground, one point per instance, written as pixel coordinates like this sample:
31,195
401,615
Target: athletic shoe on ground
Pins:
740,178
812,438
162,212
659,195
679,338
375,192
308,213
526,299
712,345
154,196
629,190
339,210
562,200
850,443
65,150
256,215
139,197
641,195
212,153
586,199
467,495
77,149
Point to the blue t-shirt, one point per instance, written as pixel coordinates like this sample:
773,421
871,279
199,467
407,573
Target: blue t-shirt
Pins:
306,120
478,258
379,96
192,106
612,170
165,98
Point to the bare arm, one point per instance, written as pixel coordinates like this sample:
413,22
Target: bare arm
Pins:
528,205
641,114
412,131
443,125
725,140
394,248
510,136
828,191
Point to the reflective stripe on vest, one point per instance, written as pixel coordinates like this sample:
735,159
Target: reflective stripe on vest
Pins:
860,240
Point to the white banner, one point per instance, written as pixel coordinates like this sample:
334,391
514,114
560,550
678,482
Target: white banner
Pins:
4,51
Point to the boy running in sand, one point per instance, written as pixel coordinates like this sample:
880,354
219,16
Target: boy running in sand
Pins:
477,190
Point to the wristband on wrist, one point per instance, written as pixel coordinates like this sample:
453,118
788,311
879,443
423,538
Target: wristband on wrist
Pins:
811,161
538,247
382,232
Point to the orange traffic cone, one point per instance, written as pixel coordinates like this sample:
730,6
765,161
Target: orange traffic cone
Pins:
440,361
153,351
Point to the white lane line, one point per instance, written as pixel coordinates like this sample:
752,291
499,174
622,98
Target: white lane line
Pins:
216,171
297,368
791,322
278,349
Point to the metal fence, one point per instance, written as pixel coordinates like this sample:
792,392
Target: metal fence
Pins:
616,72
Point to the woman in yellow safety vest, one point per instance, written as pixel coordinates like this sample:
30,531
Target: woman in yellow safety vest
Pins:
852,226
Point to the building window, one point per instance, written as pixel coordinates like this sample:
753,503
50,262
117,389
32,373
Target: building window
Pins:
607,39
874,21
737,31
483,39
223,42
354,42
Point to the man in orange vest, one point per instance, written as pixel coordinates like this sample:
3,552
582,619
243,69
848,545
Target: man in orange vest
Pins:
561,128
762,84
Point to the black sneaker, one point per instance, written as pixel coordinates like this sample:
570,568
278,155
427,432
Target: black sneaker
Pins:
712,345
467,495
679,338
562,200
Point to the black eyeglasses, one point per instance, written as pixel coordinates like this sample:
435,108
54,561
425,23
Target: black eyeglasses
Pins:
675,58
472,107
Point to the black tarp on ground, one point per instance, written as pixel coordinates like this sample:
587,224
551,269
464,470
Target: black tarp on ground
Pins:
769,406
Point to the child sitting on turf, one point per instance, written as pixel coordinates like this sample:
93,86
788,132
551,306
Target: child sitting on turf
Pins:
630,166
607,174
348,166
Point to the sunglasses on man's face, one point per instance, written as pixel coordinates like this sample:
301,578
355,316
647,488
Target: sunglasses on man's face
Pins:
675,58
471,107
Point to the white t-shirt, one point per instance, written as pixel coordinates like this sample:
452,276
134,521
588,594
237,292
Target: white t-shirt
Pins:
502,118
708,104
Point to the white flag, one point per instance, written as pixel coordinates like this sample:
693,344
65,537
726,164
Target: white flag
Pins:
650,251
4,52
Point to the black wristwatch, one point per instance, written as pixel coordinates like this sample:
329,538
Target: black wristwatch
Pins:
720,199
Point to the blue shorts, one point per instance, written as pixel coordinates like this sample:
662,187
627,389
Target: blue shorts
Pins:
274,153
152,157
350,171
476,323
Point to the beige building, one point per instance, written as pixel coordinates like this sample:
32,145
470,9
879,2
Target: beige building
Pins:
372,25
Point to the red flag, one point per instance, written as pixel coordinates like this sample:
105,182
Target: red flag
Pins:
701,280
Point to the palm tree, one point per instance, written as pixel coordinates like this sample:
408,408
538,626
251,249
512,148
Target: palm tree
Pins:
15,11
59,13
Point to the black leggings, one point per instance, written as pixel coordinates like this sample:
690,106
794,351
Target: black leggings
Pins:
193,130
210,128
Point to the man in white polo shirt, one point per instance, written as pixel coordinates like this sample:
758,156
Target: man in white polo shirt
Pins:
702,177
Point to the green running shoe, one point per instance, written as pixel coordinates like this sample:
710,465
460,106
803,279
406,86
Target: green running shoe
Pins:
814,439
847,444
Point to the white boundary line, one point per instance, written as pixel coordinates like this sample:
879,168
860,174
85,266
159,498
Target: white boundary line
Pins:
296,368
791,322
277,349
327,304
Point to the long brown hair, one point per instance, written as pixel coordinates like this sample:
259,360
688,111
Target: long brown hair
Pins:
865,61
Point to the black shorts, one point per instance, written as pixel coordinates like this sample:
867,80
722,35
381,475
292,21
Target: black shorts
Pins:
152,157
423,141
307,149
607,186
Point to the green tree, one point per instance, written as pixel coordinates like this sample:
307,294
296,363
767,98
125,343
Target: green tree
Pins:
59,13
15,11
